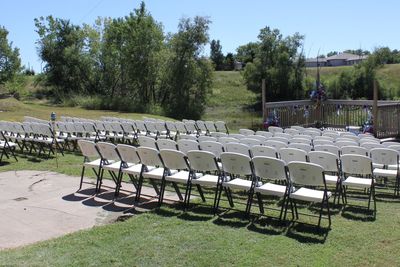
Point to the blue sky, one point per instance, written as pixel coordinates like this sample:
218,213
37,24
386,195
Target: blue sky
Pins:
327,25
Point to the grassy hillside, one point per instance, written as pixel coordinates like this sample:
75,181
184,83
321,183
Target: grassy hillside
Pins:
232,102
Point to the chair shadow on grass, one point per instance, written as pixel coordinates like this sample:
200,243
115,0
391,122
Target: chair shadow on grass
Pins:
358,213
4,163
307,233
232,218
388,197
198,213
267,225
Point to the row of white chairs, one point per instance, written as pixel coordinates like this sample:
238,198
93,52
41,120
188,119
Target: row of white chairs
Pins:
237,172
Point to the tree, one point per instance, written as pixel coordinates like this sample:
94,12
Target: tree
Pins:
216,54
278,62
332,53
10,62
229,62
187,77
246,53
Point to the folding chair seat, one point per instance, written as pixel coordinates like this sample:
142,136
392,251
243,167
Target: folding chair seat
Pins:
146,141
186,145
389,160
166,144
205,172
293,154
331,165
268,172
238,148
152,169
305,177
237,174
246,132
111,162
177,171
264,151
91,159
357,173
265,134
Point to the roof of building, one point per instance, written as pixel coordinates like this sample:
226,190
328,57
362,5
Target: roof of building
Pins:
340,56
311,60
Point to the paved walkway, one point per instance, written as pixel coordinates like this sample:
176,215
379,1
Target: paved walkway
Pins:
37,205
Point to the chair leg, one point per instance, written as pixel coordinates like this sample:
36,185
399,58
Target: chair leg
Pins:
201,193
188,195
82,173
219,196
178,192
229,196
283,207
260,203
295,209
162,189
139,189
215,199
329,213
249,202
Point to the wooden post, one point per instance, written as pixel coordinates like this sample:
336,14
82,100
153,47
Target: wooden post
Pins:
263,97
375,108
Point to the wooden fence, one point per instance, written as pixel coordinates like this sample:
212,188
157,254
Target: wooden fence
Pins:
338,114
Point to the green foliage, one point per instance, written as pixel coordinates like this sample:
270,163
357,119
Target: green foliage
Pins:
229,62
10,62
247,53
187,77
216,55
278,62
126,64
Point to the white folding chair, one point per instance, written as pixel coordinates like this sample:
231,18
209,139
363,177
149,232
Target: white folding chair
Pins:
214,147
131,164
146,141
389,159
275,129
265,133
250,142
304,178
91,159
328,148
302,146
166,144
111,163
206,138
238,148
357,173
357,150
237,175
278,145
246,132
186,145
268,171
221,127
204,163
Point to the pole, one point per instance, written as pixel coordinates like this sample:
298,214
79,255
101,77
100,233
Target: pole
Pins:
375,108
263,97
53,126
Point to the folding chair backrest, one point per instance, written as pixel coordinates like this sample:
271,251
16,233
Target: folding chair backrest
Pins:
352,137
276,144
385,156
238,148
146,141
201,126
342,143
395,147
269,168
305,147
334,135
89,127
88,149
280,139
174,159
275,129
116,127
263,151
236,164
299,139
260,138
237,136
206,138
324,137
327,148
210,126
170,126
204,161
180,127
191,127
250,142
149,156
305,173
292,132
128,153
265,133
370,146
357,150
369,140
246,132
218,134
298,128
140,126
187,145
293,154
224,140
188,137
211,146
284,135
322,142
390,143
107,151
356,164
221,126
328,161
167,144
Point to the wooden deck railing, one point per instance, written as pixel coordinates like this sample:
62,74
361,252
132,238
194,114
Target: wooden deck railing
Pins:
338,114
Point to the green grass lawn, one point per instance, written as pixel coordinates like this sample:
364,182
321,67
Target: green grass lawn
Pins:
169,236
